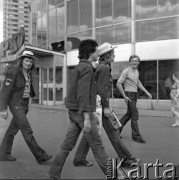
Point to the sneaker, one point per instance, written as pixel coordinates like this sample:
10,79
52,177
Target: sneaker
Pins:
44,159
130,162
7,158
82,163
138,139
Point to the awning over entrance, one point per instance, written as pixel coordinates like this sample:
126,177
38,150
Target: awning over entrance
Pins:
49,77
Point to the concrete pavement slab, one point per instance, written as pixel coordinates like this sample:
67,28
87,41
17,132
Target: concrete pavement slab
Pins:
50,128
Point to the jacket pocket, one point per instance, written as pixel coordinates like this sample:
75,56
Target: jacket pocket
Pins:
19,86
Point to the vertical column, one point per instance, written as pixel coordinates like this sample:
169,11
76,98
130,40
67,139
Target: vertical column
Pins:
157,80
65,56
133,27
54,79
94,18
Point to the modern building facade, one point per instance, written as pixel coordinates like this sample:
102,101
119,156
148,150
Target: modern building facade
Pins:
148,28
16,14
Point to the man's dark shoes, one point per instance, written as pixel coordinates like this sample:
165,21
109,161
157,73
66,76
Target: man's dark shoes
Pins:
7,158
44,159
82,163
138,139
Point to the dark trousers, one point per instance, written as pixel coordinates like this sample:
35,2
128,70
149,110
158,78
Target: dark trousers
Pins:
76,124
114,137
132,113
20,122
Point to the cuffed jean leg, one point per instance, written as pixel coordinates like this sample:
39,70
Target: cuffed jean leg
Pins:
114,137
134,117
19,113
93,139
96,145
83,149
125,119
7,142
57,165
73,133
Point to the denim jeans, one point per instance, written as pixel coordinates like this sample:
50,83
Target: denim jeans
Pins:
132,113
76,124
114,137
20,122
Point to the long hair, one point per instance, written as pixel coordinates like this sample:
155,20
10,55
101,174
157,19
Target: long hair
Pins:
86,48
105,56
20,64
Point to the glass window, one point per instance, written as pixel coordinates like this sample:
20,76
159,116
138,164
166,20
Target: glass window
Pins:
85,14
43,45
50,75
50,94
104,34
146,9
86,35
60,21
59,94
52,23
167,7
51,3
59,76
103,12
168,28
122,33
59,1
45,94
146,30
44,27
72,16
148,77
45,75
41,6
166,70
39,30
122,11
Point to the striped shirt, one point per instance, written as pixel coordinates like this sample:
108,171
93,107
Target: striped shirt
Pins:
26,93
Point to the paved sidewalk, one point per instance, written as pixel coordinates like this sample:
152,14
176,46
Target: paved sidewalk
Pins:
50,126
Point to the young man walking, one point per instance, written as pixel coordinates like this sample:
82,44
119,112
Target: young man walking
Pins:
16,92
81,103
104,87
130,79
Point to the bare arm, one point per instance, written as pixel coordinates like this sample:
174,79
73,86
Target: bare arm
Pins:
119,85
141,87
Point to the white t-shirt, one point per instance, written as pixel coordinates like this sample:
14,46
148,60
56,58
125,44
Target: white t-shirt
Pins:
130,79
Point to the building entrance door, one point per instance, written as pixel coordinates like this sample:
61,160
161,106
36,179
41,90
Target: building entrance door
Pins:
47,86
52,88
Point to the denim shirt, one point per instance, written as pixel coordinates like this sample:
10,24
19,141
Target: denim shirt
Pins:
104,83
82,92
13,88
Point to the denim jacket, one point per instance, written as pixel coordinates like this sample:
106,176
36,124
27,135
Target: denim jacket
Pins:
82,92
104,83
13,88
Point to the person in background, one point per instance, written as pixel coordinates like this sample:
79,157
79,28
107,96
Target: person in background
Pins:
168,86
130,80
81,104
104,86
16,92
175,99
